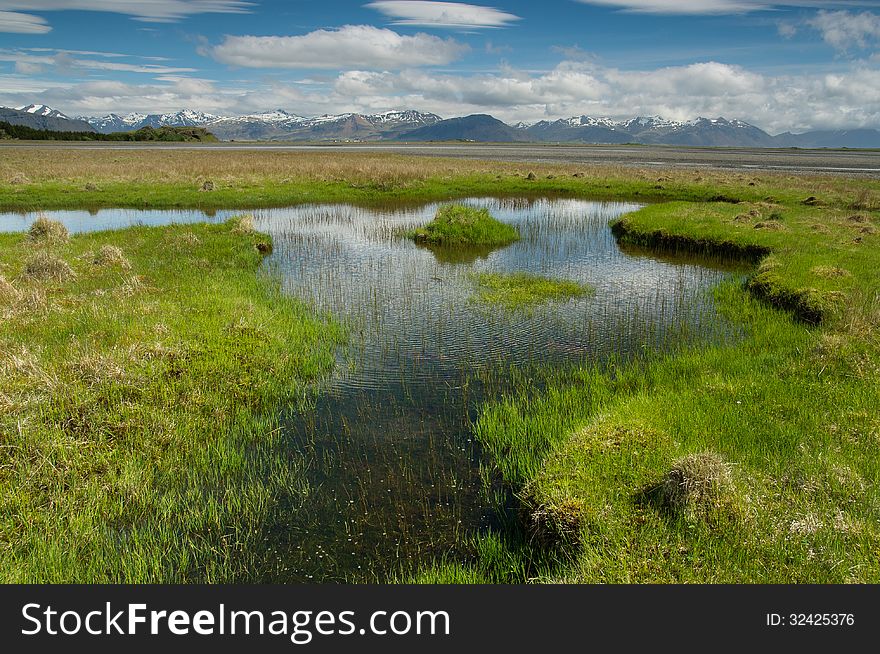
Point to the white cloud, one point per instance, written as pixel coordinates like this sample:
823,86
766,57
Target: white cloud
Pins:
798,102
443,14
27,68
64,61
775,103
708,7
351,46
786,29
144,10
844,30
18,23
681,6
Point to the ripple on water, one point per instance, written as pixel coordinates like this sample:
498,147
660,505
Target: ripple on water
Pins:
393,467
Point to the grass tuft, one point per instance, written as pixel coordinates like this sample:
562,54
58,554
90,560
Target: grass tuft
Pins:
44,266
8,292
111,256
45,230
242,225
459,225
696,486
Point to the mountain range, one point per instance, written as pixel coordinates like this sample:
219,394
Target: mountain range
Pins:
408,125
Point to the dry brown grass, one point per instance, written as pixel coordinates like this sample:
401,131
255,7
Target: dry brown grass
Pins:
243,225
697,485
242,168
111,256
866,201
46,230
44,266
771,225
830,272
8,292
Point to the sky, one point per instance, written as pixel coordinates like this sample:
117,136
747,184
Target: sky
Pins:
796,65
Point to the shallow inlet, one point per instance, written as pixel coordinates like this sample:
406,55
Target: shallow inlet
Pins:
395,475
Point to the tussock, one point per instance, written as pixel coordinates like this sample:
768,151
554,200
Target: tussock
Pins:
243,225
696,486
8,292
132,286
185,241
830,272
865,201
46,230
111,256
46,267
771,225
557,523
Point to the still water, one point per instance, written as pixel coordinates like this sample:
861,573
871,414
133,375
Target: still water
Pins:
395,475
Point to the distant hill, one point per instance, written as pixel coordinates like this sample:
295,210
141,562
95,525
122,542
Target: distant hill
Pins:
839,138
43,117
479,127
277,125
410,125
162,134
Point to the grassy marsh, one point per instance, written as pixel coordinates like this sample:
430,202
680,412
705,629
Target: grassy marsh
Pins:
787,417
138,404
784,420
522,291
57,178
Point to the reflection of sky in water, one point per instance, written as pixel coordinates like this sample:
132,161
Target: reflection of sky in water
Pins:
411,310
394,470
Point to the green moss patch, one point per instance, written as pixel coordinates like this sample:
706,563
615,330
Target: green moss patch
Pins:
523,290
457,225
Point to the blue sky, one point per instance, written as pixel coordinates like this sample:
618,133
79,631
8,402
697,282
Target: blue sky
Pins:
780,65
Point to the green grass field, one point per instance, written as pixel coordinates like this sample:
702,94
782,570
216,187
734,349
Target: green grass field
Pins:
140,389
136,404
753,462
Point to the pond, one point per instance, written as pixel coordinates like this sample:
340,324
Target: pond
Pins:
396,477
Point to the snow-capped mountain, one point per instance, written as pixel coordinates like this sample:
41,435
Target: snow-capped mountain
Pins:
276,124
43,111
115,123
279,124
650,129
40,116
134,121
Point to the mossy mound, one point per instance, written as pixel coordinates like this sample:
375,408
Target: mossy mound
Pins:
458,225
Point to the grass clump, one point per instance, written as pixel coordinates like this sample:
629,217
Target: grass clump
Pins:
45,230
44,266
8,292
139,416
460,225
523,290
110,255
242,225
697,485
